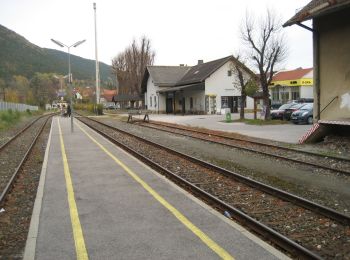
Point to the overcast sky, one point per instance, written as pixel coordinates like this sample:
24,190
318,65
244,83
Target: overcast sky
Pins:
181,31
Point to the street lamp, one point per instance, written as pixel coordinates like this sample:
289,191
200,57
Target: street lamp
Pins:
60,78
69,75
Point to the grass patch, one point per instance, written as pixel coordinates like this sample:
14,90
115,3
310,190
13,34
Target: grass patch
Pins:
10,118
257,122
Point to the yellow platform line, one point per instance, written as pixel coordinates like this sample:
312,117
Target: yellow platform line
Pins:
185,221
79,242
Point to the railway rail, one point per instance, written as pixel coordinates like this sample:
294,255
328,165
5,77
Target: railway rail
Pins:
337,165
303,228
10,140
15,151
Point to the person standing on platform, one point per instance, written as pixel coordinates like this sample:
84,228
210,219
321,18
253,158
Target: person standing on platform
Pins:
69,111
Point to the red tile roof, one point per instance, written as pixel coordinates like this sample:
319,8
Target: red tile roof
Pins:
291,74
108,94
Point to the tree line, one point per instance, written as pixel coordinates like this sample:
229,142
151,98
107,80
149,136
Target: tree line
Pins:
39,90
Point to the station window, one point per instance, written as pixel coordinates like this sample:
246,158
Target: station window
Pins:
155,101
275,94
224,102
284,95
191,102
229,73
150,101
295,93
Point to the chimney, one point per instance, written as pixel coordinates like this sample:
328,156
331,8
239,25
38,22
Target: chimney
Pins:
200,62
182,65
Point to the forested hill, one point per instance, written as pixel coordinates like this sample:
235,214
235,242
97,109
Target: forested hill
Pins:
18,56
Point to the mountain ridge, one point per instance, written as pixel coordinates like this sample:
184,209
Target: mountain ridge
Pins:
18,56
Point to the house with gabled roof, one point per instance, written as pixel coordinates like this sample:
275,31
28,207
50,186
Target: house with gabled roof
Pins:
206,88
291,85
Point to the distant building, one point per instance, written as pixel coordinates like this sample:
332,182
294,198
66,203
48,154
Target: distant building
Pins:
206,88
107,96
291,85
85,94
127,101
124,97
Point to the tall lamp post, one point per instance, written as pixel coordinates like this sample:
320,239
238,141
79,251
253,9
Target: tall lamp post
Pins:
69,75
97,65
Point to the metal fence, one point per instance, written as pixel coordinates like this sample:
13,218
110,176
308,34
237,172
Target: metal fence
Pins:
15,106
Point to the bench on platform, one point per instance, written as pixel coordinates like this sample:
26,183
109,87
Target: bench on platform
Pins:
132,113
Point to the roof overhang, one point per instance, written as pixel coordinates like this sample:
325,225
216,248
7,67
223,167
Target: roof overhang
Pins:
324,8
198,86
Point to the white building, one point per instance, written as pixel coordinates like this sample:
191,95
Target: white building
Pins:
206,88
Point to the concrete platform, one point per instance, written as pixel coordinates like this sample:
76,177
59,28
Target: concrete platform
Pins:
96,201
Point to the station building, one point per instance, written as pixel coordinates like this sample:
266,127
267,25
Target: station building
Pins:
331,40
291,85
206,88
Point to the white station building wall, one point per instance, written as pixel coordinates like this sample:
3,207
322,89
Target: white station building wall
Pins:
152,94
221,85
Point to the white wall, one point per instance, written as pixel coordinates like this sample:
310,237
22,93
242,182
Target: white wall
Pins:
306,92
220,84
152,92
198,100
250,103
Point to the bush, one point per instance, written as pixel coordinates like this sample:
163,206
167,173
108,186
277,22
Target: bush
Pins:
99,109
92,108
8,118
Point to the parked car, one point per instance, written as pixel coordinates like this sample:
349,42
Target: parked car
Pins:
111,107
305,100
288,112
278,113
303,115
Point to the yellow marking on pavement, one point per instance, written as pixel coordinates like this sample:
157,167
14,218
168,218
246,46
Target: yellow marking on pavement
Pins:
80,248
185,221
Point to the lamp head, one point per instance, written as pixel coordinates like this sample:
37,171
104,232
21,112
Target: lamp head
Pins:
58,43
78,43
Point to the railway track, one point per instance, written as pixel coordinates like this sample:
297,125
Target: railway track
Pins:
303,228
3,145
330,163
15,151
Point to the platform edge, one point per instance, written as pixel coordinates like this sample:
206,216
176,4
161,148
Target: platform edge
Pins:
29,251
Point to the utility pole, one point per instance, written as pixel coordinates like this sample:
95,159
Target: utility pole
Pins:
97,65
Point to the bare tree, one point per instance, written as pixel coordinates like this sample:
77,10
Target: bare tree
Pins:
243,76
129,65
266,49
